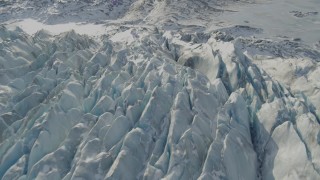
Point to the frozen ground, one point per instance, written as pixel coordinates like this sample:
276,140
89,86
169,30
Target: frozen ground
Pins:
279,19
145,89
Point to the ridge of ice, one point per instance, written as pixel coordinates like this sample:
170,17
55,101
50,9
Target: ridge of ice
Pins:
158,90
76,108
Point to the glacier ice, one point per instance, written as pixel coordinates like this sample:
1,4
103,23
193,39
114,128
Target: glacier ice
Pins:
153,96
75,108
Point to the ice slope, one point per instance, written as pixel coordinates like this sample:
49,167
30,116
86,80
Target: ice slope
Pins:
157,90
61,11
168,105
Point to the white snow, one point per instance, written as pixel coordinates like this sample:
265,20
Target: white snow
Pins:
32,26
276,18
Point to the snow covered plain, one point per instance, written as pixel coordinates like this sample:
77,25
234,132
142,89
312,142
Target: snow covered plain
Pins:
158,90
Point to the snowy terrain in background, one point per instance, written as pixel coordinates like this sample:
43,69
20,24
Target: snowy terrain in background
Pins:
150,89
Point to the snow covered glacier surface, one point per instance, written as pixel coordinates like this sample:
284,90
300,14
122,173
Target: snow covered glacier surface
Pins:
158,102
74,108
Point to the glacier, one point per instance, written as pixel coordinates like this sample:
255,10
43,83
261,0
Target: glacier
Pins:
164,99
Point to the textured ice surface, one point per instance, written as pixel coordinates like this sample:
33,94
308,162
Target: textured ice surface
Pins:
161,99
74,108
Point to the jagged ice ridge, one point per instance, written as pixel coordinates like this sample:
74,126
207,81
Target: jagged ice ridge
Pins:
169,105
